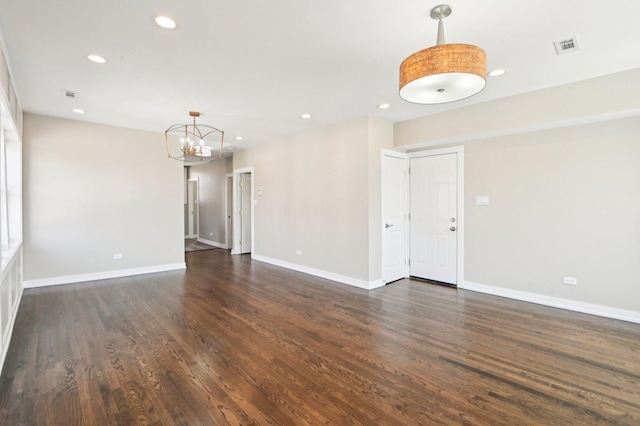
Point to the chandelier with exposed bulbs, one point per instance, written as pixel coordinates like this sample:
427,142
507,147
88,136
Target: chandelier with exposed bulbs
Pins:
193,142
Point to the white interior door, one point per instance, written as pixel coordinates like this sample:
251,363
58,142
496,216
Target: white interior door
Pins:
193,207
245,213
394,204
433,213
229,211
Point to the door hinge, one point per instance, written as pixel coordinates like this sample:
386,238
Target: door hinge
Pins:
240,183
408,262
408,216
409,170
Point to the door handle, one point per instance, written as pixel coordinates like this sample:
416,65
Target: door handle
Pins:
453,228
386,225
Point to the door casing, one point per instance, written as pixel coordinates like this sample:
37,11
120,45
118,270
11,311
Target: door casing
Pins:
246,210
236,249
460,202
194,218
228,211
460,222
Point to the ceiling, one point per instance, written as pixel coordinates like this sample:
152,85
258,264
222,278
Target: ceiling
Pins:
253,67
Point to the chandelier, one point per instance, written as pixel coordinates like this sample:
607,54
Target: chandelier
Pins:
194,142
445,72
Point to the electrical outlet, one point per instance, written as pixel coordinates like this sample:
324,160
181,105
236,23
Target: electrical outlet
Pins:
118,256
570,280
298,251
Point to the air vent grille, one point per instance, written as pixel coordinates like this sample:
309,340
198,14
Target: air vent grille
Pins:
567,46
70,94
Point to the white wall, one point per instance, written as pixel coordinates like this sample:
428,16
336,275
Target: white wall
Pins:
611,96
317,189
91,191
380,136
564,201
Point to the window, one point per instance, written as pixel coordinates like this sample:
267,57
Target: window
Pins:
10,186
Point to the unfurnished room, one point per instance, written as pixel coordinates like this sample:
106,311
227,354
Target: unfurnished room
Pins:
302,213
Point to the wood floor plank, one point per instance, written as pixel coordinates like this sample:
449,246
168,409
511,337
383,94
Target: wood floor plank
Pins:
239,342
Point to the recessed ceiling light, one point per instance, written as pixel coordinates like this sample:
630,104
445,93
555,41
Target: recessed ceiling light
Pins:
231,148
79,111
306,116
97,59
239,138
383,106
166,22
497,72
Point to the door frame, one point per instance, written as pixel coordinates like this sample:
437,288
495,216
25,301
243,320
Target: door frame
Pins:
402,156
228,211
196,213
236,209
459,150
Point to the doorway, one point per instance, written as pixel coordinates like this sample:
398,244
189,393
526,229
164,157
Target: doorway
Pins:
192,207
243,211
423,215
394,217
246,212
228,208
436,212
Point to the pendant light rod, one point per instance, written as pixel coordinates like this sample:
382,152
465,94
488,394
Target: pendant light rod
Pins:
439,13
440,40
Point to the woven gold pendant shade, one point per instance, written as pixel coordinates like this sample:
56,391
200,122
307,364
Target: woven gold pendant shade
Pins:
445,72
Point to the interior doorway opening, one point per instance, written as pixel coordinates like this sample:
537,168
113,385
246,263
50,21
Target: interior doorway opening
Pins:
228,209
243,211
434,212
192,208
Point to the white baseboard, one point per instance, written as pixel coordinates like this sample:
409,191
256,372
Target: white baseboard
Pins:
70,279
367,285
555,302
212,243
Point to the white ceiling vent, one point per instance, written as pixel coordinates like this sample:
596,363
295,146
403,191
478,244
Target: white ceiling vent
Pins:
70,94
567,46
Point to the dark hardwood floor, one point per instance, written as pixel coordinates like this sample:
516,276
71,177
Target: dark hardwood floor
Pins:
235,341
192,244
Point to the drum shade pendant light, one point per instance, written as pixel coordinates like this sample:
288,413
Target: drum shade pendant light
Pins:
445,72
193,143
